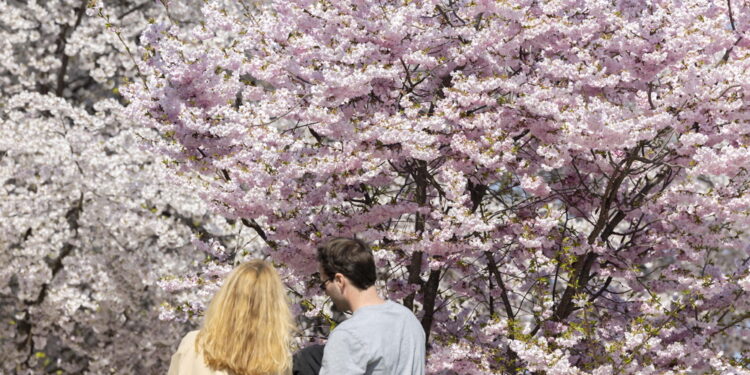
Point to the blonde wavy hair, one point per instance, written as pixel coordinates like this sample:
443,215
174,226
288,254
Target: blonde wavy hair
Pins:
247,329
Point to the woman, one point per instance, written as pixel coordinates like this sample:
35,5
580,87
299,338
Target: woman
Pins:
247,329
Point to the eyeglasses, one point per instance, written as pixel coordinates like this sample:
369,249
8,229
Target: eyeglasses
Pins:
322,284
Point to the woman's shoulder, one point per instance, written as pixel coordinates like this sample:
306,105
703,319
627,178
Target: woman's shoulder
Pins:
188,342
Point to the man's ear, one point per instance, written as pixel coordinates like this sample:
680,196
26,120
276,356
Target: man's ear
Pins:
340,278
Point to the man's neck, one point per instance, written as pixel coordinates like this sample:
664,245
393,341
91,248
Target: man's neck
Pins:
367,297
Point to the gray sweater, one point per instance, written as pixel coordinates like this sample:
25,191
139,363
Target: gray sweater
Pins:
382,339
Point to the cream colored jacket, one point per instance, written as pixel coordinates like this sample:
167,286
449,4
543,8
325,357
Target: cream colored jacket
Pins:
187,362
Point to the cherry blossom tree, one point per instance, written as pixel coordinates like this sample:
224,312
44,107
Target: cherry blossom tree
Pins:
554,187
92,224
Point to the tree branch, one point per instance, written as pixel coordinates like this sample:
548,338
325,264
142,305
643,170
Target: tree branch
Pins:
418,170
498,278
257,228
429,292
25,325
61,42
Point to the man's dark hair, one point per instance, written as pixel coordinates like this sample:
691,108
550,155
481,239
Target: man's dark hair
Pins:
350,257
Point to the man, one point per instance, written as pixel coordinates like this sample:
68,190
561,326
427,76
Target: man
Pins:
380,337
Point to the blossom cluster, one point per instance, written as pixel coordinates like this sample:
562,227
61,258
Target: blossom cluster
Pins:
92,222
576,171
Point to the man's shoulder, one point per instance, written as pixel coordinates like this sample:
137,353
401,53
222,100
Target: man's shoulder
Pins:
373,317
411,325
399,307
386,308
401,310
